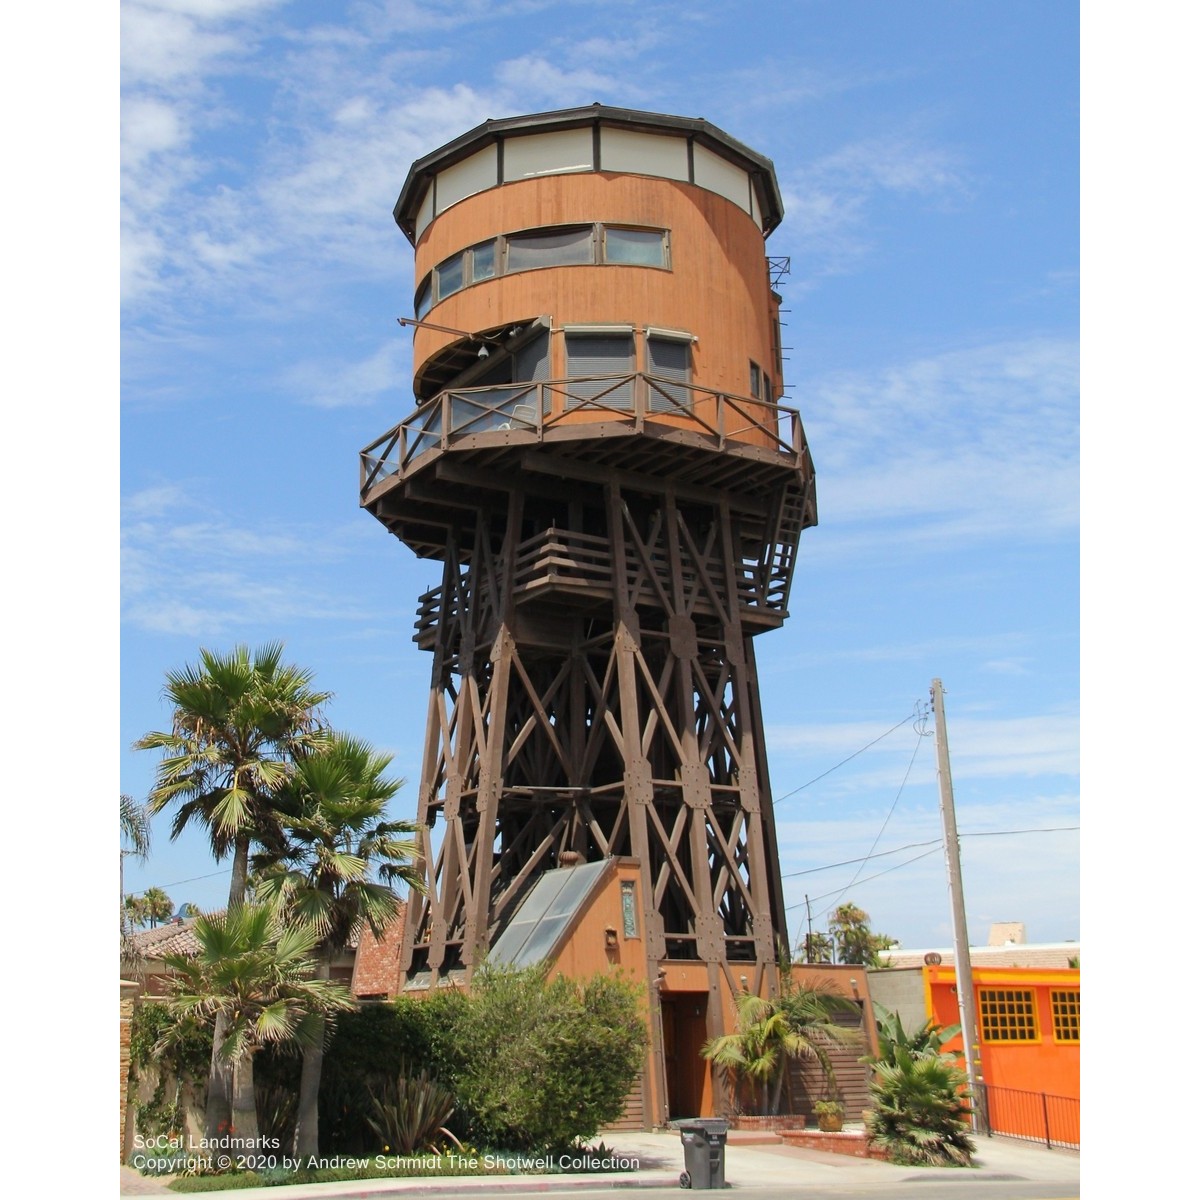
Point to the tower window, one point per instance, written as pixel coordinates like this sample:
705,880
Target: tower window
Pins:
424,300
600,353
449,276
483,261
756,381
635,247
558,246
549,248
668,358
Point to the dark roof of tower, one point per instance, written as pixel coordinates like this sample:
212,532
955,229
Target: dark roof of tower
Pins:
423,170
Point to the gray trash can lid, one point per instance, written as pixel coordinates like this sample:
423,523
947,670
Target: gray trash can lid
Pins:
708,1125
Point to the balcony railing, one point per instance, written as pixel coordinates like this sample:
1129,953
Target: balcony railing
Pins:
535,408
566,561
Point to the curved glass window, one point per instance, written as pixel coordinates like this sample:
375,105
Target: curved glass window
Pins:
449,276
424,300
636,247
558,246
483,262
549,248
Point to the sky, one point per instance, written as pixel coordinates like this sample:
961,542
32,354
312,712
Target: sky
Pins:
928,156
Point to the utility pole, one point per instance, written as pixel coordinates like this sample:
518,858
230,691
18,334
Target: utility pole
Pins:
958,914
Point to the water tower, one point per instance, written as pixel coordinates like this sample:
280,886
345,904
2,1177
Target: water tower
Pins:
599,462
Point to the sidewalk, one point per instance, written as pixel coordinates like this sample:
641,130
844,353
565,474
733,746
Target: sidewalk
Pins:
660,1161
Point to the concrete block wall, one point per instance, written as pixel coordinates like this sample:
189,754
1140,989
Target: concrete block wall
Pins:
129,996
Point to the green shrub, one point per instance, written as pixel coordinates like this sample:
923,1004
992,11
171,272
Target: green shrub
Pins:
921,1113
539,1064
368,1050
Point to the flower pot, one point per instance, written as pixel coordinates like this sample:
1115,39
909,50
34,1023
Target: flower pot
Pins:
829,1123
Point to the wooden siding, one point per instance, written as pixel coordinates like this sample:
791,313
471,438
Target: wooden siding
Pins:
807,1080
716,288
634,1116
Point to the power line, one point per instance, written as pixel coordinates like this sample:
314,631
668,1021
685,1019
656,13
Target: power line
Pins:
879,875
1010,832
849,862
788,795
919,725
916,845
179,882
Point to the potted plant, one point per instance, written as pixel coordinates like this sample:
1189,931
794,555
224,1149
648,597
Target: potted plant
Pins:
829,1114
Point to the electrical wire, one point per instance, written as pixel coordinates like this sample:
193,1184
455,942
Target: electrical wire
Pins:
849,862
179,882
788,795
921,732
877,875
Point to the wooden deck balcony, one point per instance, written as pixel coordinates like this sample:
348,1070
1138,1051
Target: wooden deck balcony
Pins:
579,410
578,569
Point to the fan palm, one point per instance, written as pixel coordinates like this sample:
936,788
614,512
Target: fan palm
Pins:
135,840
238,721
921,1112
259,976
337,870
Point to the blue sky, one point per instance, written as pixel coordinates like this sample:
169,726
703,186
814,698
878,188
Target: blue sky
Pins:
928,157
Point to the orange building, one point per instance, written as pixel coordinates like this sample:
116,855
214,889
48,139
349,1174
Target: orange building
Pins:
1028,1024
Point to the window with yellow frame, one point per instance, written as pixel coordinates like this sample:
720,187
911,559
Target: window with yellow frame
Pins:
1007,1015
1064,1005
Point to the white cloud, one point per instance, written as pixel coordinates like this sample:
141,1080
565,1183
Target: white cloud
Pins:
828,201
204,576
900,164
535,76
965,444
326,385
169,41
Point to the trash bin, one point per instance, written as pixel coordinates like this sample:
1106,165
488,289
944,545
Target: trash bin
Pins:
703,1152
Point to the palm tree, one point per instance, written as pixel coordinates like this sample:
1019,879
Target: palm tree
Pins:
758,1050
150,908
811,1009
922,1112
850,929
238,722
158,906
799,1023
258,975
928,1039
134,911
337,839
135,827
135,840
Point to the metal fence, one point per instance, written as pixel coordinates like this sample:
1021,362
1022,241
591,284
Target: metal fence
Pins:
1033,1116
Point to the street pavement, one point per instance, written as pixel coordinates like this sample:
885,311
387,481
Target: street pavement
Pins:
660,1161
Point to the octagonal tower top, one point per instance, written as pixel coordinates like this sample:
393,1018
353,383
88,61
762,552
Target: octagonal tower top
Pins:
594,138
